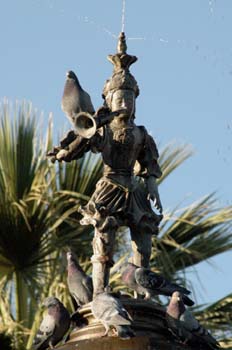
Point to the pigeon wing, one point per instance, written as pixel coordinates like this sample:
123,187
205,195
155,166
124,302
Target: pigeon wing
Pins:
75,99
87,282
148,279
87,105
191,323
110,311
151,280
46,330
121,316
70,100
189,320
115,314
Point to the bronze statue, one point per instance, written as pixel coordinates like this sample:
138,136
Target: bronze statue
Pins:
121,199
127,150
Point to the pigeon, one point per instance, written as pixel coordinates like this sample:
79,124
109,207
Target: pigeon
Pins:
75,99
79,284
110,312
54,325
183,323
149,283
78,320
174,310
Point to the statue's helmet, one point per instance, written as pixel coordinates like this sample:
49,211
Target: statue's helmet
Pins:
121,79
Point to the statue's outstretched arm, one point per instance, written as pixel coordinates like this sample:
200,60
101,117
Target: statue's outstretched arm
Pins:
72,147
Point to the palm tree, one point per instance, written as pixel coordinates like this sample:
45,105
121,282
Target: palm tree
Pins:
39,218
192,235
33,199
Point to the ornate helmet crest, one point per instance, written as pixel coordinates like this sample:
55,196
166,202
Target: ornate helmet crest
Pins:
121,79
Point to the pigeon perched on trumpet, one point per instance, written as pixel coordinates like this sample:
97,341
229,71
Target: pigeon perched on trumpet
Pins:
75,99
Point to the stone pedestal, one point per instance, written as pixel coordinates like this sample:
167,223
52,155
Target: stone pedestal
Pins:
149,325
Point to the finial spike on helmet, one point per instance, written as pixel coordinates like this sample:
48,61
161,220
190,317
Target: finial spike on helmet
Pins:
121,47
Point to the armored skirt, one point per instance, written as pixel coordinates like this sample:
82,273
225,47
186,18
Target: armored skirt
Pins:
127,206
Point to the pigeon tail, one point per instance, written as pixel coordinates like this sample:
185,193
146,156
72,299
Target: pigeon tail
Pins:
125,332
168,288
78,320
187,300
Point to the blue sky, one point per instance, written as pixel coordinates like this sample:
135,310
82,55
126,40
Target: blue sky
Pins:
184,71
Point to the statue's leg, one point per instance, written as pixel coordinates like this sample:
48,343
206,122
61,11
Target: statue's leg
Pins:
102,259
141,247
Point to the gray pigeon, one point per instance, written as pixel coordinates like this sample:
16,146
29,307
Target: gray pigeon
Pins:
174,310
150,284
54,325
111,313
75,99
183,323
79,284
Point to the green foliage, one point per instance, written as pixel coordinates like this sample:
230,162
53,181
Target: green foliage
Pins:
38,217
217,317
184,234
171,157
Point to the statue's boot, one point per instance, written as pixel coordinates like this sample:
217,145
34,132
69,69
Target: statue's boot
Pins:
102,259
101,273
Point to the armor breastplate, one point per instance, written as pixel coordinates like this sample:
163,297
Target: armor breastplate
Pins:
121,149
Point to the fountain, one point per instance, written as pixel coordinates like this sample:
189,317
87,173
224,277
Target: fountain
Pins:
120,200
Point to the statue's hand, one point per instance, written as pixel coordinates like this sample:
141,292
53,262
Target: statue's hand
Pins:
62,154
57,154
157,202
153,193
102,111
52,154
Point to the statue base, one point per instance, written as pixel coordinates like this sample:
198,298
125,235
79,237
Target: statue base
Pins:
149,326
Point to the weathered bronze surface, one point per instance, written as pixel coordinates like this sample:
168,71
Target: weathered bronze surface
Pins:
127,150
148,323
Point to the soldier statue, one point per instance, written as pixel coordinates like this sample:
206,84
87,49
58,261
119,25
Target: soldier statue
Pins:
128,152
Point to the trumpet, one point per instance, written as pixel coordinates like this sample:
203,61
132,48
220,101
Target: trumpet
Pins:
86,124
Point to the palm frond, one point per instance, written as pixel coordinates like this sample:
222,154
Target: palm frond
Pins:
226,343
171,157
192,235
217,316
73,185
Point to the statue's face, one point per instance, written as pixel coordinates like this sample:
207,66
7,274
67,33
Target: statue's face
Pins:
122,99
